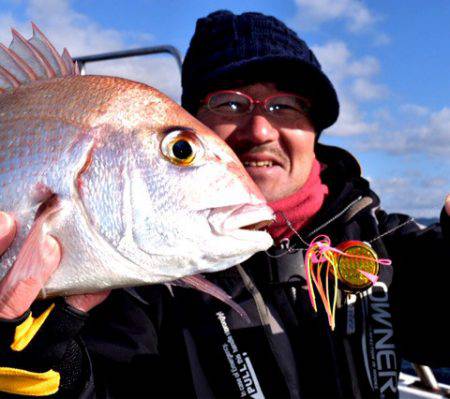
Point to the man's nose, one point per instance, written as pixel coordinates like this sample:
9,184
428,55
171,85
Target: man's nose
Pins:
258,128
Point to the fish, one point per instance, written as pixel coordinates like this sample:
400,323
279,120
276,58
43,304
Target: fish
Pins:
134,188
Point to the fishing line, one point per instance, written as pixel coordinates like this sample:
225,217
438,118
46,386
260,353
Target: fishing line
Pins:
353,265
392,230
285,242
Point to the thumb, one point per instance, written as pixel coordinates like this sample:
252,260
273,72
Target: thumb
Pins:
447,204
21,286
7,231
85,302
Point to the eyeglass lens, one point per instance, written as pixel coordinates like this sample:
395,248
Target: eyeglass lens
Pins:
285,105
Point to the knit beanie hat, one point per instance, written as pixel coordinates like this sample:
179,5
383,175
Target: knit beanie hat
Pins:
235,50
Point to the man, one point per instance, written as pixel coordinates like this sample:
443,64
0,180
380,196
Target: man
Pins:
259,87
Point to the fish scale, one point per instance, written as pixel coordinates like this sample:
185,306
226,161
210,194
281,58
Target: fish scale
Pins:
105,206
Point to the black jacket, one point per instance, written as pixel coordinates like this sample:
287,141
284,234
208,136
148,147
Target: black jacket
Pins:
158,342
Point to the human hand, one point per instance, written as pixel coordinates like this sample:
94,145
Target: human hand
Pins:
7,231
48,339
17,296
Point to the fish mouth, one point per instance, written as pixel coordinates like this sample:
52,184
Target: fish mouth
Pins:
258,226
245,219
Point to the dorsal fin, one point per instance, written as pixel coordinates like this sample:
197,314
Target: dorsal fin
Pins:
40,42
72,67
34,59
31,55
15,64
7,80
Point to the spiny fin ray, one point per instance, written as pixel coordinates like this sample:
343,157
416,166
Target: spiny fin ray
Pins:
31,55
15,64
30,60
7,80
41,43
72,67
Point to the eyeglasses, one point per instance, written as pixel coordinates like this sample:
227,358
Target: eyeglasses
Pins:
234,103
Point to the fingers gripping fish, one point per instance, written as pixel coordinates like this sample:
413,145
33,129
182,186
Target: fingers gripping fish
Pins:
135,189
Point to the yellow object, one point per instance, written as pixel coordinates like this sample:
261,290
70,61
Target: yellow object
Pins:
28,329
28,383
358,257
317,258
354,263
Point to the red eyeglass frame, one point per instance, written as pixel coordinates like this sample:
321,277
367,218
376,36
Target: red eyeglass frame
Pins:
253,101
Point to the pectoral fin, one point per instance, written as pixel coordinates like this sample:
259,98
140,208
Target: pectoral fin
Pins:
202,284
35,262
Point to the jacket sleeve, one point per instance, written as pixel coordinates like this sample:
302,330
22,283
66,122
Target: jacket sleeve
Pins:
121,338
420,300
41,353
55,351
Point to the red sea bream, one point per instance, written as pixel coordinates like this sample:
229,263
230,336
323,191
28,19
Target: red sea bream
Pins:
134,188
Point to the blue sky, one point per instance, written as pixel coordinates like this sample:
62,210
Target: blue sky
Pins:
389,61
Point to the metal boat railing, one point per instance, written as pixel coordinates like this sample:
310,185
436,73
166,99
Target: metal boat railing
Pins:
422,386
114,55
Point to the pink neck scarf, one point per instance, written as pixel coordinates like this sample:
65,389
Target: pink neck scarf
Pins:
299,207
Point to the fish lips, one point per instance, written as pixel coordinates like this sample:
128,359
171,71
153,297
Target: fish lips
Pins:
243,222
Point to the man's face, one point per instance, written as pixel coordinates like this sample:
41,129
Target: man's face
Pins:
277,153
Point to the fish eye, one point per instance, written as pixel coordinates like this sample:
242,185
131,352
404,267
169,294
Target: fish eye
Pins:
182,148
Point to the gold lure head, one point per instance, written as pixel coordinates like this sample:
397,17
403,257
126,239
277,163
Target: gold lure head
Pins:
358,260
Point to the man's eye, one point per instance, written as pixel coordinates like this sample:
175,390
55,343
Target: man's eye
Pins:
231,106
287,109
283,109
279,107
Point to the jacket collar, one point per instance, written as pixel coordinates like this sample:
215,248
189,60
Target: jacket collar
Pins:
349,192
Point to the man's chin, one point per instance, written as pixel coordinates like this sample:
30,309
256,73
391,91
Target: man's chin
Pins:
269,180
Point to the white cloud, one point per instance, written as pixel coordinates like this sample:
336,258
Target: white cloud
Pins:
7,22
351,121
435,136
353,80
334,57
161,73
431,137
440,122
354,15
340,64
364,67
382,39
383,115
67,28
414,109
83,36
312,13
365,90
414,194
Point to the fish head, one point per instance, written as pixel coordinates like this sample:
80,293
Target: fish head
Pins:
189,199
134,189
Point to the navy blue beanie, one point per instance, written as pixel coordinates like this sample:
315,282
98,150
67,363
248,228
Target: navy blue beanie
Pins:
235,50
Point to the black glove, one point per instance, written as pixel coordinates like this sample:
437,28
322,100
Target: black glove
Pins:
445,224
41,353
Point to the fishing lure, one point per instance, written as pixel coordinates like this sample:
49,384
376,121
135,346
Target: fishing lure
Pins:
354,265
